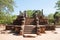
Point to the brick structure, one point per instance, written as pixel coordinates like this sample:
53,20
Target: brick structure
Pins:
35,25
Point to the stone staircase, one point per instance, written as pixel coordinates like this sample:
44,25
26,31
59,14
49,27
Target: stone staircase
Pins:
29,29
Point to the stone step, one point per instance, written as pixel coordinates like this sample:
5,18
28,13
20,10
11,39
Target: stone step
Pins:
28,29
30,35
27,32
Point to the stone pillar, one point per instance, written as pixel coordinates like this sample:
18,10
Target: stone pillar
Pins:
23,25
21,32
38,30
37,24
25,14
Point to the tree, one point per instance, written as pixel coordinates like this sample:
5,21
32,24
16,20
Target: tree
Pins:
10,19
31,12
50,18
6,5
58,5
57,17
6,18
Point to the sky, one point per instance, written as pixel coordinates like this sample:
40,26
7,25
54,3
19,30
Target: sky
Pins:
48,6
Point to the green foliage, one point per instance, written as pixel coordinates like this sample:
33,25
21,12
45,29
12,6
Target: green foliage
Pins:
51,18
6,5
58,14
6,18
58,4
31,12
57,17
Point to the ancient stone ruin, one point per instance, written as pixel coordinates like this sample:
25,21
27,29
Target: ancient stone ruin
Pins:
30,25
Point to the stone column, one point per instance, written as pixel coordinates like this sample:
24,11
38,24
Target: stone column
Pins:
23,25
25,14
37,24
